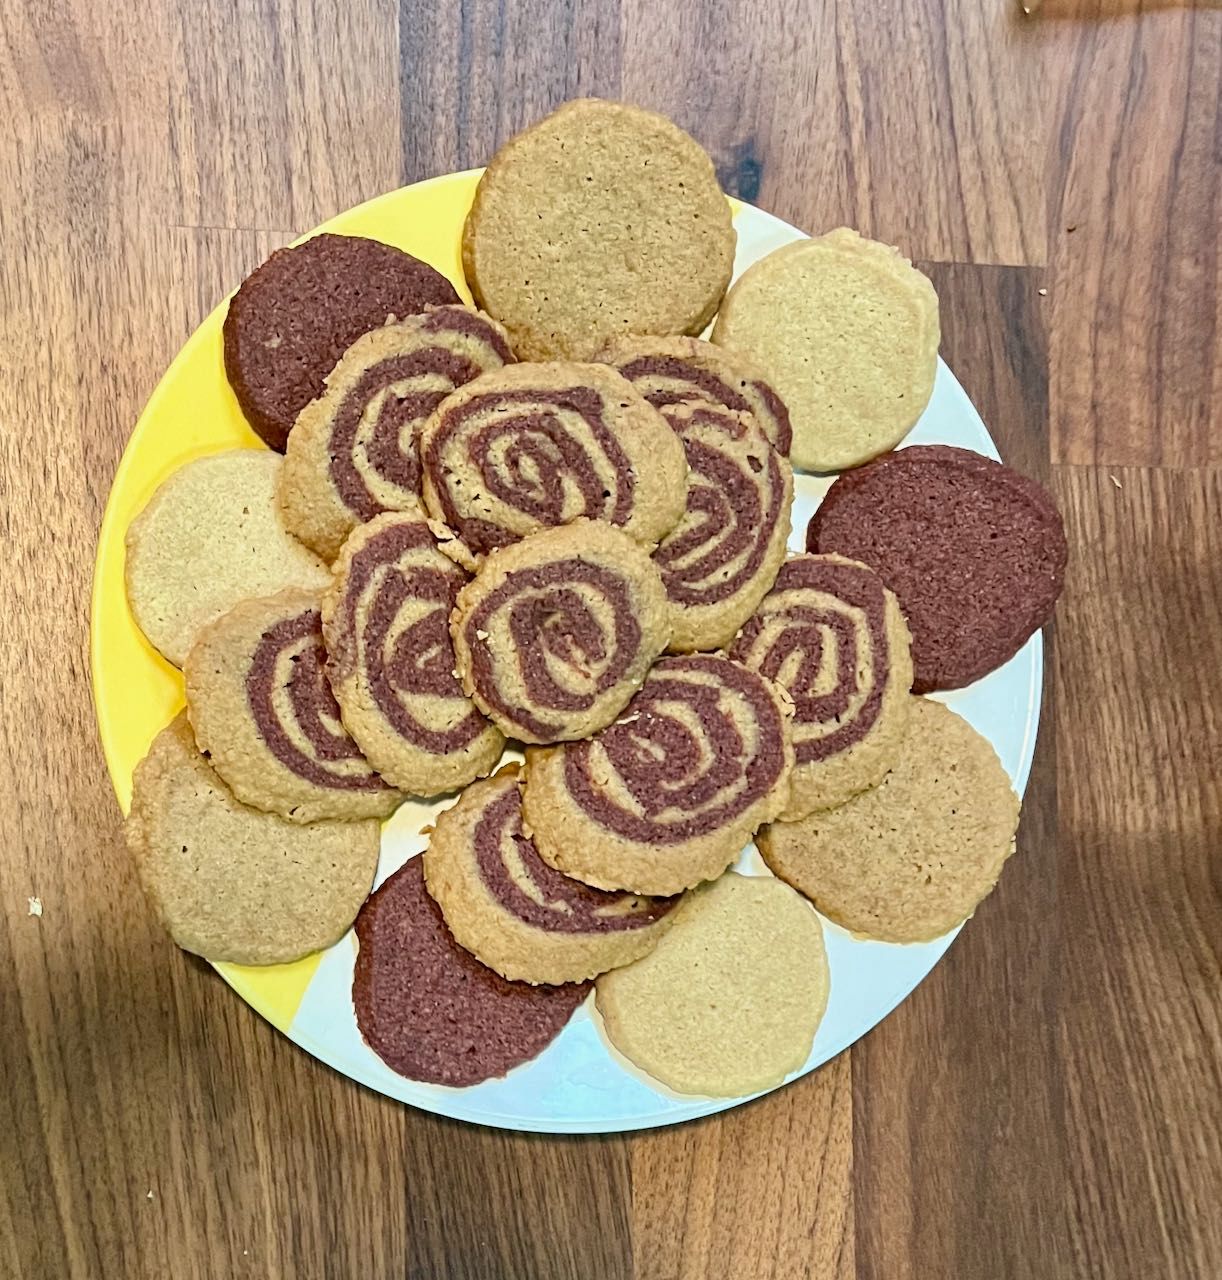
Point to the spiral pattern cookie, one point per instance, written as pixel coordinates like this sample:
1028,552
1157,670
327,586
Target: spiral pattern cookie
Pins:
719,561
554,635
391,660
670,793
835,639
670,371
263,711
355,451
534,446
518,915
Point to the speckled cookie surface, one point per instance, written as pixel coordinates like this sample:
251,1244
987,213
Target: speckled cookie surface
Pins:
599,221
847,332
669,794
233,883
913,857
533,446
730,1000
835,639
261,707
210,536
554,634
355,451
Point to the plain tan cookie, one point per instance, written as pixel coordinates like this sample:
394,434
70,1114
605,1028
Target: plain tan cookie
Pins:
730,1000
232,883
601,220
210,536
912,858
847,332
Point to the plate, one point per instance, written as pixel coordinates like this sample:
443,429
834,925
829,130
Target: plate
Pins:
578,1084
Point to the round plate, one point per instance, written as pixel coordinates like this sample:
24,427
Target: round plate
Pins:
578,1084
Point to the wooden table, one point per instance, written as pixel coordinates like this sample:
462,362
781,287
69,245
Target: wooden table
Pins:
1047,1104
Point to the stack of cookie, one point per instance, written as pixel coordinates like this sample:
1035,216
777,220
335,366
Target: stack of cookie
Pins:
559,521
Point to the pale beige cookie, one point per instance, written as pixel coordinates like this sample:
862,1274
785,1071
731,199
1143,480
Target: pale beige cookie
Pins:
533,446
232,883
210,536
262,710
847,332
601,220
913,857
554,634
729,1001
515,913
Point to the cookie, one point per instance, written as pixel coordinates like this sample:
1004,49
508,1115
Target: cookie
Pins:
429,1009
232,883
515,913
554,634
730,1000
833,637
355,451
533,446
263,712
386,629
719,561
209,537
670,793
670,371
847,332
293,317
974,551
913,857
599,221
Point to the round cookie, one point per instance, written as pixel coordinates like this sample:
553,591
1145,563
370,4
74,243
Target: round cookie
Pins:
913,857
833,637
355,451
974,551
670,793
262,710
390,663
232,883
429,1009
730,1000
210,536
847,332
601,220
719,561
554,634
670,371
293,317
515,913
533,446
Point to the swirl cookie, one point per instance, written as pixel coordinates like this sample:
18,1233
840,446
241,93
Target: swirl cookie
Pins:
834,638
974,551
429,1009
262,710
719,561
554,634
670,793
534,446
294,317
232,883
914,856
847,332
355,451
670,371
386,627
515,913
601,220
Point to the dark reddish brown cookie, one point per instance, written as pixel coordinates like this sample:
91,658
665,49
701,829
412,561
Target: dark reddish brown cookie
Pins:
294,317
429,1009
974,551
